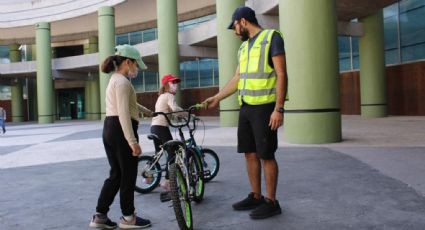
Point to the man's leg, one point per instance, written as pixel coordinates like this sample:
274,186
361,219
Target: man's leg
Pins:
253,167
271,171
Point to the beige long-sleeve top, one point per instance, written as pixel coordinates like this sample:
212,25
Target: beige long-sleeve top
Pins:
166,103
121,101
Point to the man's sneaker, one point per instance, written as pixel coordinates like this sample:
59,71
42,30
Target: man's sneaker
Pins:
102,221
265,210
135,223
248,203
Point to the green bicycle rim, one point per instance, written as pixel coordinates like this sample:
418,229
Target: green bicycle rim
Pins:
188,214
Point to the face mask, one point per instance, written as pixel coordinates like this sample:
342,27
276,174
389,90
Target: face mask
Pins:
132,73
173,87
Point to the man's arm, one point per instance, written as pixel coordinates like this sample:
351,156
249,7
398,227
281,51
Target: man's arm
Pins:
279,63
230,88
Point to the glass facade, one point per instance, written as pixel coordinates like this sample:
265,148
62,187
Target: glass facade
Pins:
138,37
193,74
404,35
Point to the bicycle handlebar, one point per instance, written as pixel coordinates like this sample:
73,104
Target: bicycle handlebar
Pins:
189,111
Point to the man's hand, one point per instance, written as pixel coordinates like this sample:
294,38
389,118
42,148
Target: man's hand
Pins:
148,113
211,102
276,120
136,149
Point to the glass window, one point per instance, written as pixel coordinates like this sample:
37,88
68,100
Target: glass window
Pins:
191,74
151,81
206,72
407,5
412,32
4,54
355,50
122,39
136,37
391,40
344,53
216,72
138,82
149,35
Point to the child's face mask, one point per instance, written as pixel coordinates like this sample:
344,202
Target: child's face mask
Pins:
173,87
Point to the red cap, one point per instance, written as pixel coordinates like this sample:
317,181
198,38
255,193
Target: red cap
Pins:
169,78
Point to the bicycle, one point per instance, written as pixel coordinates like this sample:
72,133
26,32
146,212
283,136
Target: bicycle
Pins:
185,169
150,169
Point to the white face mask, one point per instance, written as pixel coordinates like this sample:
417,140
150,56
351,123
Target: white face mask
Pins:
173,87
132,73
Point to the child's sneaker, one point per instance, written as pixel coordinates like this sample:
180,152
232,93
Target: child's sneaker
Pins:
102,221
135,223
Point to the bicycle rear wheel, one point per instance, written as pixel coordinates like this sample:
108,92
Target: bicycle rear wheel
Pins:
210,163
180,197
148,175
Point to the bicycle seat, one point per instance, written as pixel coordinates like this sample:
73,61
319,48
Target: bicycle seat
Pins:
156,141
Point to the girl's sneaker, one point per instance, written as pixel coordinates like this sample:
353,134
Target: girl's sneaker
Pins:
135,223
102,221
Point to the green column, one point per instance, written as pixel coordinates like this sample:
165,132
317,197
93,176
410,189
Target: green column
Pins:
168,47
16,87
44,74
92,101
310,32
17,101
228,45
372,67
106,48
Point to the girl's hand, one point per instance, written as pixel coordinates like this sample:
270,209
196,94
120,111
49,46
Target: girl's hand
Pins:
137,151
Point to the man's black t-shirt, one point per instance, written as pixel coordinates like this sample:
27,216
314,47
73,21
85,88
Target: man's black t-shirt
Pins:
277,46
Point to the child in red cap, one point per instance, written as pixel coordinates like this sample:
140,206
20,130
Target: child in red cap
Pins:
166,103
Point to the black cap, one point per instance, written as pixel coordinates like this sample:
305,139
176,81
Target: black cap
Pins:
243,12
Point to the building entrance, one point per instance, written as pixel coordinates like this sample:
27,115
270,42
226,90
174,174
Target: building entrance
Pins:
71,103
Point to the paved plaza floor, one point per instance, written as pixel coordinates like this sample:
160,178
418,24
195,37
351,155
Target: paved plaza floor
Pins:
50,178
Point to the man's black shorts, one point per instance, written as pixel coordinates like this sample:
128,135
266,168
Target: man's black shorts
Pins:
254,133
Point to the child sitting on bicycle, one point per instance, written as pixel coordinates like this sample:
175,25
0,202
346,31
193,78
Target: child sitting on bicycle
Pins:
166,103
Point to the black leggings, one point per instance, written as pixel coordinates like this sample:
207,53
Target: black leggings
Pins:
123,172
164,134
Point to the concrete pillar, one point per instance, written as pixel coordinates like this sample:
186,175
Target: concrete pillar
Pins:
228,45
16,87
310,32
17,101
372,67
168,47
44,74
106,17
91,100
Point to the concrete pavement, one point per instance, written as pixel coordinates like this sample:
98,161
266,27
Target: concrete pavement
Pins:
50,177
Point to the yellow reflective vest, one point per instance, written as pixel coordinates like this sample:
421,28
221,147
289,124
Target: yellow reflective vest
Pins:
257,83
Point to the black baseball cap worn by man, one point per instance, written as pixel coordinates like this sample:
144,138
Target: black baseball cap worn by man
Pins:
243,12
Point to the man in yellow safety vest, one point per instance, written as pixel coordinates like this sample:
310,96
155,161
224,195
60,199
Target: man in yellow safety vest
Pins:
261,83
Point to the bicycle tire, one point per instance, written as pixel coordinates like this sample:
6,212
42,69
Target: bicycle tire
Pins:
197,175
141,185
179,197
210,159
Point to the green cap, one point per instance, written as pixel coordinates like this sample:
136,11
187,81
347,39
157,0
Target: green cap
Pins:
130,52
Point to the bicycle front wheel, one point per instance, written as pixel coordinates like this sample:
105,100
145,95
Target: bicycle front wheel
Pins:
196,177
180,197
210,163
148,175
